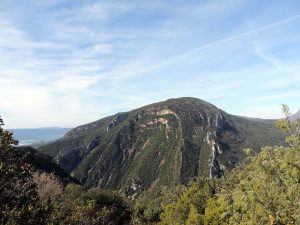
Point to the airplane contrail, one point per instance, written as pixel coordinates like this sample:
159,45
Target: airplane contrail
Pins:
175,58
243,34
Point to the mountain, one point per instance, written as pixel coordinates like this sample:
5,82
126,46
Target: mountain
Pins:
295,116
34,136
165,143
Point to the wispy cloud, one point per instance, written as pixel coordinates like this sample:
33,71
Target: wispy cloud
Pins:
130,71
261,53
290,74
72,62
244,34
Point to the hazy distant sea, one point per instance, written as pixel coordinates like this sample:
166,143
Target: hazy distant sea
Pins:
34,136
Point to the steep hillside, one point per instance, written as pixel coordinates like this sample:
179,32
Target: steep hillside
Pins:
165,143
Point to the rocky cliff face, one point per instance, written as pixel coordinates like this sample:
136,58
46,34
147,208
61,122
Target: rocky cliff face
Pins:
165,143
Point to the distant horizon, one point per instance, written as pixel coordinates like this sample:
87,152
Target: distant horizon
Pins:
60,127
28,128
69,63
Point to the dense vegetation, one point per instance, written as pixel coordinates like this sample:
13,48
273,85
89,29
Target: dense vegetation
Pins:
162,144
18,196
265,189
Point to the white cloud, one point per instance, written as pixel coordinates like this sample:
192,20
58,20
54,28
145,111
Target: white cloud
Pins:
280,97
285,74
94,10
75,83
262,112
90,61
101,49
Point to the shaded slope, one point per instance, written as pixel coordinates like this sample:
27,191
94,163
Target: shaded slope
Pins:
44,163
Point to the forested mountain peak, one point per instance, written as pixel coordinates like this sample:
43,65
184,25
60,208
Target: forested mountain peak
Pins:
165,143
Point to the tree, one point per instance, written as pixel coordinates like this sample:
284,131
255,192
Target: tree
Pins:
291,127
190,207
18,196
49,188
78,205
194,217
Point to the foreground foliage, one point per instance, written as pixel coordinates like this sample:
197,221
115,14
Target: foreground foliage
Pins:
94,206
265,189
18,196
149,205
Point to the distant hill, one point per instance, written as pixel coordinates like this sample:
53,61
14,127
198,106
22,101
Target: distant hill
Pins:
295,116
36,136
165,143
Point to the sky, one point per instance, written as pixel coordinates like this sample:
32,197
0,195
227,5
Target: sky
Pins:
66,63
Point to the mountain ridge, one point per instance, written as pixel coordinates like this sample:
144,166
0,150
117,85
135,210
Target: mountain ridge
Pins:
164,143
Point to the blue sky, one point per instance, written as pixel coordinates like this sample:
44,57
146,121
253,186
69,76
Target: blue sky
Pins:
66,63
